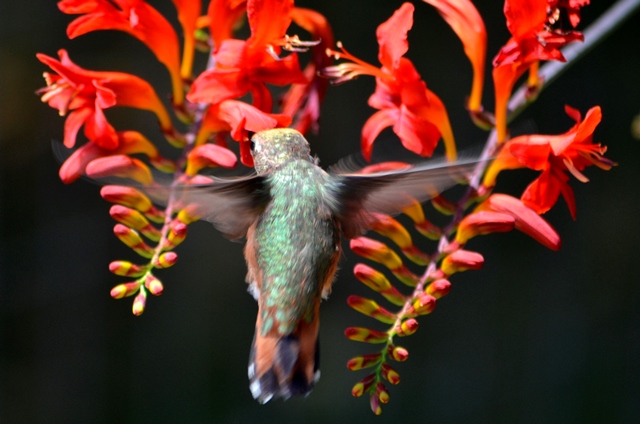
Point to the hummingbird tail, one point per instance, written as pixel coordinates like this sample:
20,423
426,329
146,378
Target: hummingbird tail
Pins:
284,365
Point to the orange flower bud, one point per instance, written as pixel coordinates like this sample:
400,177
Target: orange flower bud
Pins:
382,392
407,328
374,401
375,251
361,334
177,234
363,385
481,223
376,281
423,305
364,361
188,214
139,303
166,260
126,269
398,353
461,260
120,166
134,219
438,288
390,374
391,229
133,240
154,285
127,196
125,290
371,308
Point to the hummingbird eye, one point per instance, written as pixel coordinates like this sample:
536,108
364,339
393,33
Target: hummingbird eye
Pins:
252,146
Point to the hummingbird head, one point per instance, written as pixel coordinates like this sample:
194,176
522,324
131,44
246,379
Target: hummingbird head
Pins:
273,148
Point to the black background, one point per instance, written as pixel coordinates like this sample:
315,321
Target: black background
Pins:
536,336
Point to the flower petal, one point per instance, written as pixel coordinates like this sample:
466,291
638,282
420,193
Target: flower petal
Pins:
392,36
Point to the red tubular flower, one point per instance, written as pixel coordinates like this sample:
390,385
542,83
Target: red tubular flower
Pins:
554,155
532,40
239,119
188,13
209,155
526,220
223,16
416,114
135,17
129,143
468,25
247,66
87,93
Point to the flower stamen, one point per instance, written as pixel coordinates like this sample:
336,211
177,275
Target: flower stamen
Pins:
349,70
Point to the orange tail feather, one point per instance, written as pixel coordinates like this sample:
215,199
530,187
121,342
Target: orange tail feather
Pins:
281,366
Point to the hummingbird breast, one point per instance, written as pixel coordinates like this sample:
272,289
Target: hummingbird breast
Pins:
295,245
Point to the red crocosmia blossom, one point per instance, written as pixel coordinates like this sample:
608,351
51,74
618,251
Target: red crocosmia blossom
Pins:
188,13
532,40
247,66
85,94
129,143
554,155
223,16
239,119
209,155
136,18
303,100
416,114
467,23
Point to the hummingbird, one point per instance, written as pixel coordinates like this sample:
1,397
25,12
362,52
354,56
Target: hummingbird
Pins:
293,215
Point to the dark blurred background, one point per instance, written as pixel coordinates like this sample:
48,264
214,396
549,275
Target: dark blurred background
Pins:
536,336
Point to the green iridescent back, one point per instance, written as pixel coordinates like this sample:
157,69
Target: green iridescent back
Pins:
296,239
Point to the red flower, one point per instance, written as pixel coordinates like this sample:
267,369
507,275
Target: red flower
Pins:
247,66
136,18
467,23
129,143
188,13
554,155
223,16
239,119
532,39
416,114
85,94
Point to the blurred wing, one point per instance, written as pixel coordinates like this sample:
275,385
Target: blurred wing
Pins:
389,192
231,205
